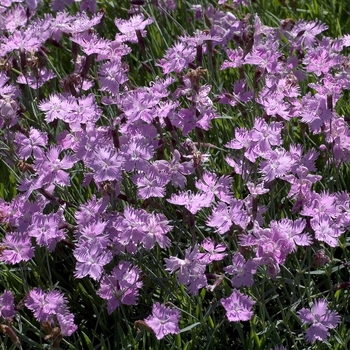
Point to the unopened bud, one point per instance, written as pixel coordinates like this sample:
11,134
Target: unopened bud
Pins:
11,333
320,259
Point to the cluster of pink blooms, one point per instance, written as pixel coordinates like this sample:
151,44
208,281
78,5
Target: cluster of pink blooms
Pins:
124,156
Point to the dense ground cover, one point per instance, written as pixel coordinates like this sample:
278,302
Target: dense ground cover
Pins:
174,175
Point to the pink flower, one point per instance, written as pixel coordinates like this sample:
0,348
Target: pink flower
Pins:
320,318
192,202
151,183
214,252
175,169
220,218
129,27
305,32
37,80
278,162
106,164
121,286
51,307
238,307
91,257
16,247
32,145
163,320
177,58
242,270
7,308
112,75
212,185
191,270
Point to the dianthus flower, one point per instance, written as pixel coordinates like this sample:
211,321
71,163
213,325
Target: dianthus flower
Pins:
51,168
177,58
214,252
175,169
305,32
16,247
49,307
320,318
214,186
238,306
37,80
91,257
191,270
32,145
242,270
7,307
106,164
121,286
129,27
193,202
163,320
45,229
112,75
151,183
278,162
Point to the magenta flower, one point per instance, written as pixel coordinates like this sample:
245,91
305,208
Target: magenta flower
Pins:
163,320
45,229
90,211
264,56
242,270
278,162
137,153
91,257
106,164
44,305
121,286
51,168
130,226
192,202
32,145
321,60
294,230
273,246
214,186
220,218
266,135
112,75
320,318
37,80
326,230
191,270
236,59
175,169
15,18
301,183
213,252
305,32
51,307
55,107
243,140
151,183
7,307
238,306
155,229
177,58
90,43
129,27
93,232
274,105
16,247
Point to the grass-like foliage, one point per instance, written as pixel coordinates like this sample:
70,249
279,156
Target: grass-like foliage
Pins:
174,174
